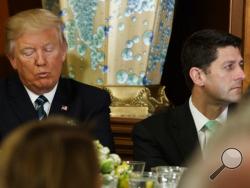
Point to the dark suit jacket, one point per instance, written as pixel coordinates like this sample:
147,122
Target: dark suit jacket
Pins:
167,138
83,102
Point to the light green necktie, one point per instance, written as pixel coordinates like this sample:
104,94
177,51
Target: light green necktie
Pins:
212,125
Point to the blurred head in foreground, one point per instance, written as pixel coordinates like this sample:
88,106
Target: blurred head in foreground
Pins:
49,154
235,134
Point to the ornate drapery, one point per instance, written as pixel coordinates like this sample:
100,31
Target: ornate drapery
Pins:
116,42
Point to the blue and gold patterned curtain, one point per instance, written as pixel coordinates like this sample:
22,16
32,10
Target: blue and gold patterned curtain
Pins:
115,42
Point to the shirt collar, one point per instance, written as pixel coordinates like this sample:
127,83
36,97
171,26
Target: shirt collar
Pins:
200,119
50,95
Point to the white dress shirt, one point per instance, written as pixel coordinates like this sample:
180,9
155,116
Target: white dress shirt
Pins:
200,120
50,95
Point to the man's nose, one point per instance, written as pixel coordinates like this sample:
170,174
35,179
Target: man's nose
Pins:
240,73
40,59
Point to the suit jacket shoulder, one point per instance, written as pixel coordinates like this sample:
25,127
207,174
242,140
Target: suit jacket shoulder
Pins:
81,99
15,104
73,87
167,138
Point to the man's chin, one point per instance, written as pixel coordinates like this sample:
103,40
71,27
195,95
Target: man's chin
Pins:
45,87
235,99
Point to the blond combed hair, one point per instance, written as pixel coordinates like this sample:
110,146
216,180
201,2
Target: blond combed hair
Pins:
31,20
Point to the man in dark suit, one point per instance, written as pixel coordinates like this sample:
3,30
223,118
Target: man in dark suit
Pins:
213,68
36,48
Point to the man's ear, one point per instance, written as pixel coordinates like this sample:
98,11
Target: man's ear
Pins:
197,76
12,61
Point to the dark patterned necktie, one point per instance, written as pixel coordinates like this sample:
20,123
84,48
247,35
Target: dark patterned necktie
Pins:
39,102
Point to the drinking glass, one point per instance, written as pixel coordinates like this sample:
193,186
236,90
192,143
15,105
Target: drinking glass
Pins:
146,180
136,168
168,176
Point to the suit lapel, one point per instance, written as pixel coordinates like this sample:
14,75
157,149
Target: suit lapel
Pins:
184,131
62,99
19,100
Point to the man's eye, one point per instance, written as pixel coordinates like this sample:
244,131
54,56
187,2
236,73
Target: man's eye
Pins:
229,67
48,49
28,53
242,64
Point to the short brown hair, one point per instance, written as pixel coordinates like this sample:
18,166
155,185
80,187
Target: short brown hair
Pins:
49,154
201,48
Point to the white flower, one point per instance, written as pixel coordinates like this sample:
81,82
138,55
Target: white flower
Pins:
111,166
115,158
108,162
105,151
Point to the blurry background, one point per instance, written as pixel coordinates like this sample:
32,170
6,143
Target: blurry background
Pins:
189,16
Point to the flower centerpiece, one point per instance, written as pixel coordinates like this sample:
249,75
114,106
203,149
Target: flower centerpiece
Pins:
114,172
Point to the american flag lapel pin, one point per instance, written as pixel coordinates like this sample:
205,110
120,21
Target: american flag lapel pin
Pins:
64,108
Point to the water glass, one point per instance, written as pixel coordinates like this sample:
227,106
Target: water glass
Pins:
146,180
136,167
168,176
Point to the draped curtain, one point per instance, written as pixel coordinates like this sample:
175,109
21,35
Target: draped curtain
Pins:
115,42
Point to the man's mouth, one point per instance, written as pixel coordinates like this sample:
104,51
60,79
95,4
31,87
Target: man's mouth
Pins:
42,75
238,88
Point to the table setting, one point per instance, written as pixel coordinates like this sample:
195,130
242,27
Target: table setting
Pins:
116,173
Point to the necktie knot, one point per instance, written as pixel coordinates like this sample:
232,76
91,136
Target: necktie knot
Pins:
212,125
39,102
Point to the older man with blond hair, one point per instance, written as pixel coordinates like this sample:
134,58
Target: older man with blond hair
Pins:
36,48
